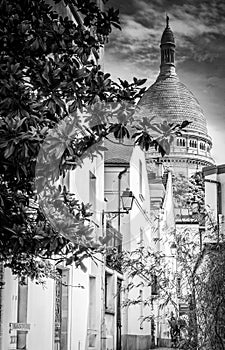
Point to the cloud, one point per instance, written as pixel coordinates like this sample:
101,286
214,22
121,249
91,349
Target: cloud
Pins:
200,51
198,28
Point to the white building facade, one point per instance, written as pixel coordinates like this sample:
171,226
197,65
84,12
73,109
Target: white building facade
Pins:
84,310
66,314
125,168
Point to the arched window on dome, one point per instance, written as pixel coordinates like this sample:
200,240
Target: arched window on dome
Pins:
202,146
193,143
181,142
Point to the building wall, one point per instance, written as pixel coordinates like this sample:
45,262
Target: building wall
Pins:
9,309
87,325
137,333
215,199
86,300
40,315
134,227
78,304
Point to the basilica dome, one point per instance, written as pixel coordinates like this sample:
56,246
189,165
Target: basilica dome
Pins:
168,99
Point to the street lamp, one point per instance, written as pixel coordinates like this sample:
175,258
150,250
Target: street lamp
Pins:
173,249
127,199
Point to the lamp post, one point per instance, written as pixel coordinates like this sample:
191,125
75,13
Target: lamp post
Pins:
127,199
173,250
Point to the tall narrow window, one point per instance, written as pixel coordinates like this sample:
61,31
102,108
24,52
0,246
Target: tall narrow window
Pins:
92,192
1,298
140,177
106,291
167,55
154,285
178,286
22,313
92,303
92,313
61,310
141,308
172,56
118,315
109,293
219,198
141,235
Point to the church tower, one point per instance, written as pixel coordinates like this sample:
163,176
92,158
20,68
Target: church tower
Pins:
168,99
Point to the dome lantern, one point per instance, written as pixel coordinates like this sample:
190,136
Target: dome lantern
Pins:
167,50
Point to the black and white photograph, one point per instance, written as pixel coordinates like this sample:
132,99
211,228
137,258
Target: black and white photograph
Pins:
112,174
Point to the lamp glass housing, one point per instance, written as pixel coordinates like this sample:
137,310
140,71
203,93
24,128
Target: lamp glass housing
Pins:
173,249
127,199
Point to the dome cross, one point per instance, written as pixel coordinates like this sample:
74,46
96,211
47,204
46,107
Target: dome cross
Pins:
167,21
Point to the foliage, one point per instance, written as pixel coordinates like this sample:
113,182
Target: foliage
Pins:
210,306
200,272
189,198
159,273
189,192
56,102
200,268
146,268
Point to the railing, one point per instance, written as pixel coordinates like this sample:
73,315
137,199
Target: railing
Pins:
186,215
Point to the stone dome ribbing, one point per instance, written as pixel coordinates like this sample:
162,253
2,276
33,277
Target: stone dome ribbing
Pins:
169,99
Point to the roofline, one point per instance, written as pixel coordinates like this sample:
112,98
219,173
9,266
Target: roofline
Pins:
214,169
117,165
186,222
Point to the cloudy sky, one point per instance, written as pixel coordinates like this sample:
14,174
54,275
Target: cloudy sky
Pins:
199,30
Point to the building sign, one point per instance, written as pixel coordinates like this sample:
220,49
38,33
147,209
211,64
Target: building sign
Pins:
19,326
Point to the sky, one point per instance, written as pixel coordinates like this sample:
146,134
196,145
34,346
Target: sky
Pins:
199,30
